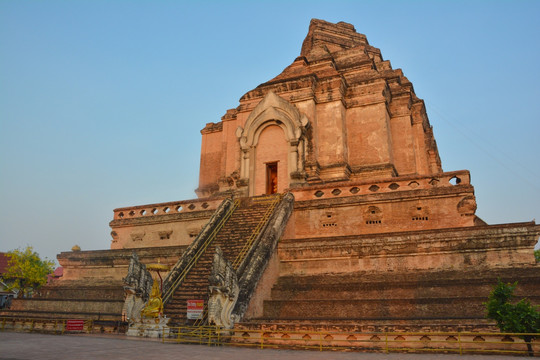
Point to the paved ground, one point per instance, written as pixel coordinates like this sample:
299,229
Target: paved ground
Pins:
19,346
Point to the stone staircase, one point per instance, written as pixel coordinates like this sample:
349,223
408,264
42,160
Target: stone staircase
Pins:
241,227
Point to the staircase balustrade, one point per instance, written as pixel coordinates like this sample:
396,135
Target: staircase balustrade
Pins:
197,248
236,234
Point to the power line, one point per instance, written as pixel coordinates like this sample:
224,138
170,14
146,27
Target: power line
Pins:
488,152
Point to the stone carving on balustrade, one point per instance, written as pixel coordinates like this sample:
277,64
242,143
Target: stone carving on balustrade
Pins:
137,289
223,291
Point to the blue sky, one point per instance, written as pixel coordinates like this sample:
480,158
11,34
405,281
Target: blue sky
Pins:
101,102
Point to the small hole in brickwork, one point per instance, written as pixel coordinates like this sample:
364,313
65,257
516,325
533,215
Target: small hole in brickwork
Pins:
336,192
154,211
328,215
179,208
245,335
131,213
121,215
425,338
306,337
399,338
329,225
142,212
166,209
478,338
371,222
319,193
165,236
328,337
204,205
374,188
354,190
191,207
415,218
455,180
434,182
394,186
451,338
375,338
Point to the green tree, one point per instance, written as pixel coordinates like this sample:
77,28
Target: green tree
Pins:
520,317
26,271
537,255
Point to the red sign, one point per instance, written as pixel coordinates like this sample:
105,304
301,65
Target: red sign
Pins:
195,309
75,325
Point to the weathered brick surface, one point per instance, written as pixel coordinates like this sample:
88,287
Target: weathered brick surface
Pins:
343,111
405,277
405,297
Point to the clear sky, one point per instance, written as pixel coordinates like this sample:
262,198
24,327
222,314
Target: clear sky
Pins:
101,102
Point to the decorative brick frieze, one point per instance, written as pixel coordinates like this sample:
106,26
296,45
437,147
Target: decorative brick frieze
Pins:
162,219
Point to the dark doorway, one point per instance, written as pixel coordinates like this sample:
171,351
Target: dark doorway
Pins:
271,178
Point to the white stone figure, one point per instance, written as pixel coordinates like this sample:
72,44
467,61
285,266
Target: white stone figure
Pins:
137,288
224,292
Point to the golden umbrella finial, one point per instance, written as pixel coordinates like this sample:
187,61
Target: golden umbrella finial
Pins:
157,267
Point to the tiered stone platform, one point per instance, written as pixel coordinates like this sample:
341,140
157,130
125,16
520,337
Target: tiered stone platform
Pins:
416,296
409,281
73,300
91,287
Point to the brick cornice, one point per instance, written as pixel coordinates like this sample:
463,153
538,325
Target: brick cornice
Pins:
163,219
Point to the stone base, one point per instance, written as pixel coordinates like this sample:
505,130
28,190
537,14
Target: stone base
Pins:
150,328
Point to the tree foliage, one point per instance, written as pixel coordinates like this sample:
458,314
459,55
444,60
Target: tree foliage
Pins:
26,270
537,255
513,317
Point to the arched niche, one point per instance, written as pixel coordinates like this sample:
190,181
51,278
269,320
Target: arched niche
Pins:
273,111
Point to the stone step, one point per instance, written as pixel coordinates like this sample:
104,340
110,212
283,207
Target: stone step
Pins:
375,309
382,291
67,305
185,296
36,314
405,285
95,293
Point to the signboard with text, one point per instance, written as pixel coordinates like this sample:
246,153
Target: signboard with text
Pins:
75,325
195,309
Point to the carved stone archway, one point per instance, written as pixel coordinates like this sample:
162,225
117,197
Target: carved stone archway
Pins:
273,111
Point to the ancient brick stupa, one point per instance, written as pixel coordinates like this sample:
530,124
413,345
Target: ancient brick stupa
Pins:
373,234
